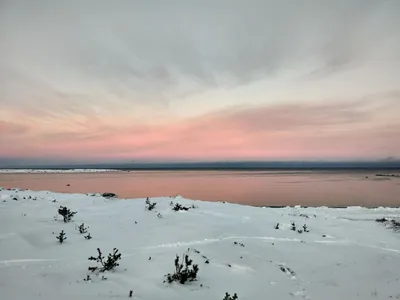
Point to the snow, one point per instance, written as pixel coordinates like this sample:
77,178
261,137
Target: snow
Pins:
14,171
346,254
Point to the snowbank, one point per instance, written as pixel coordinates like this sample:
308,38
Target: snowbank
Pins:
345,254
55,170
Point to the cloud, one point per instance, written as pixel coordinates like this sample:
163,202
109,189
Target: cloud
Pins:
279,131
7,128
139,48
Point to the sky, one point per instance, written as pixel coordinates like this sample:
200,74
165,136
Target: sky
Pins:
199,80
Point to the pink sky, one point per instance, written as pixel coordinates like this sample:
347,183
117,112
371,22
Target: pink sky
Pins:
339,131
231,82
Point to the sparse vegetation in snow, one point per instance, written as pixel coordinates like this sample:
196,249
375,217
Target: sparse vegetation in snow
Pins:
185,271
390,223
211,230
293,226
105,265
229,297
82,229
150,205
61,237
66,213
179,207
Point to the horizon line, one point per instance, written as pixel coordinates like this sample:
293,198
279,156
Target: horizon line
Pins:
219,164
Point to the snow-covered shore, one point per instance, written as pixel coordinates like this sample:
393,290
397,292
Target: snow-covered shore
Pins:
6,171
345,255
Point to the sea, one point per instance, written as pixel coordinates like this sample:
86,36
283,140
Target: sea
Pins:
272,188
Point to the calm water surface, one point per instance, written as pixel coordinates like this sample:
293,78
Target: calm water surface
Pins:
273,188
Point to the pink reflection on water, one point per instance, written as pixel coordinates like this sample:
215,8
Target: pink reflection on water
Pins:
251,188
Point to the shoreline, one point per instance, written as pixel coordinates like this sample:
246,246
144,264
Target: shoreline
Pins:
377,171
51,171
299,206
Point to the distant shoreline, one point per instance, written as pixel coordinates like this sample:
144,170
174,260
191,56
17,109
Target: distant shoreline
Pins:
380,171
38,171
